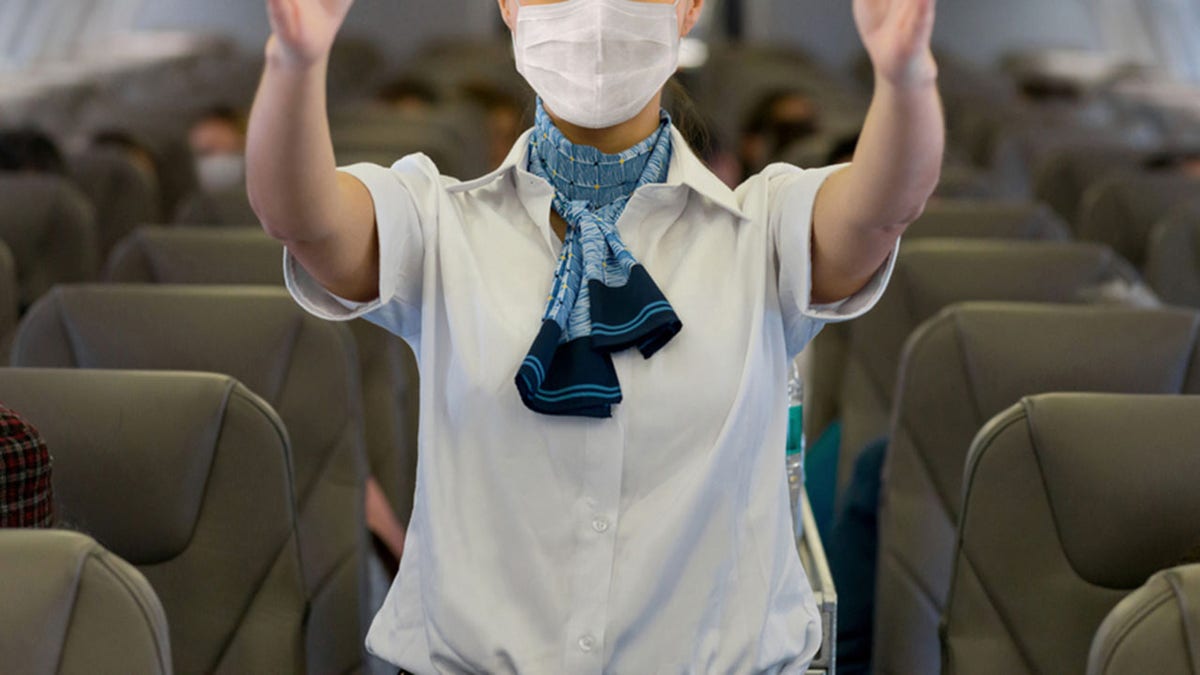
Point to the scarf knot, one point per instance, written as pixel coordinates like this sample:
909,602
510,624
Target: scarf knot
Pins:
602,300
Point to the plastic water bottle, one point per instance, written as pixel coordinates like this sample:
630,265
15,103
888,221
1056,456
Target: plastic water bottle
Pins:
795,445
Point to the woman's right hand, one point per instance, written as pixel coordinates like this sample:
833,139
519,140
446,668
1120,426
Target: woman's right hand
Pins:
302,31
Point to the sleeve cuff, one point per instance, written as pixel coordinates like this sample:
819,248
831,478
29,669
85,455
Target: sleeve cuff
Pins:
318,301
861,302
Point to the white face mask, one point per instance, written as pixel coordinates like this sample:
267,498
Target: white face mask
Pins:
221,172
597,63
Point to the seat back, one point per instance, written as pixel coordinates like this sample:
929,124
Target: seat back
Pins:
956,219
959,370
1122,210
1062,178
387,366
196,255
69,607
50,228
1155,629
198,495
933,274
972,219
1070,502
1173,258
228,208
305,368
8,300
124,193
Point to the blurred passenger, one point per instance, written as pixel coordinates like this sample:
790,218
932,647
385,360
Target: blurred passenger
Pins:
408,94
30,149
218,143
119,139
1186,162
26,493
779,120
505,118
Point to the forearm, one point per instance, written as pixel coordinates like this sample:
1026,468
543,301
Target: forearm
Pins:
865,208
291,171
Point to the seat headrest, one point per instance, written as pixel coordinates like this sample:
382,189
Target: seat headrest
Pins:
1105,460
973,360
197,255
1155,629
65,600
124,455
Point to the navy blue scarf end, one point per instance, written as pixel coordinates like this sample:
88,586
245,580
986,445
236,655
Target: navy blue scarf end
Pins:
634,315
574,378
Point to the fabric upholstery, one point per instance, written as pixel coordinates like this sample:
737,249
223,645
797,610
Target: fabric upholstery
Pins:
1070,502
957,371
305,369
187,477
50,228
934,274
1173,258
69,607
124,193
1122,210
230,208
956,219
970,219
1155,629
387,366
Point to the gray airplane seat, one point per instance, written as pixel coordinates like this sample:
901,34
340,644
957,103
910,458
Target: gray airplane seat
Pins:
50,228
224,208
957,219
196,255
975,219
1122,210
1173,258
1062,177
960,369
187,477
124,193
1155,629
387,365
935,273
69,607
8,301
1070,502
304,368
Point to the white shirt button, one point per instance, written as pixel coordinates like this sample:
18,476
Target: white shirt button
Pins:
587,643
600,524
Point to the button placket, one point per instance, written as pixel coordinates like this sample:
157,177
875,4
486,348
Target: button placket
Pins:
592,564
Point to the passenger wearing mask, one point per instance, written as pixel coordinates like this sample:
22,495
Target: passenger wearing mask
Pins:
604,331
779,120
217,141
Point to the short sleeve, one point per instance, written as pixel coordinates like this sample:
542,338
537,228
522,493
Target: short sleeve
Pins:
792,195
405,202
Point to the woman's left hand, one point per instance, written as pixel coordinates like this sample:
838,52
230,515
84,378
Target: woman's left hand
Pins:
897,35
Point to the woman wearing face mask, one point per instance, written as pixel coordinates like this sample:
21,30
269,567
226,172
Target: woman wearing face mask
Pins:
603,330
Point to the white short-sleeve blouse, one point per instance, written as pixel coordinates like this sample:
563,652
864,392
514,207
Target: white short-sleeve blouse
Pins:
656,541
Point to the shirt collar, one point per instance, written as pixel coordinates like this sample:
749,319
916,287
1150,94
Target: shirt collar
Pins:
686,170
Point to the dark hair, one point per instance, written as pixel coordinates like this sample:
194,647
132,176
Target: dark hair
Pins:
489,97
842,148
758,119
30,149
408,87
223,113
687,118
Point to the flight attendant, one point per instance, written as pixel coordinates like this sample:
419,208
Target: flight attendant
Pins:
603,330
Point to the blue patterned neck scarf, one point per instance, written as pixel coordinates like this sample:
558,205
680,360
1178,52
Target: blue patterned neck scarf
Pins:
602,300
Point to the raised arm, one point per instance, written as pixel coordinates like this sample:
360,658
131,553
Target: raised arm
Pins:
325,218
862,210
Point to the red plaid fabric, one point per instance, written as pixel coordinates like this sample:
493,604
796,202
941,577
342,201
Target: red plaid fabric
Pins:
26,496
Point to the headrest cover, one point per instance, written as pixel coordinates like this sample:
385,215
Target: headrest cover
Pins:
132,461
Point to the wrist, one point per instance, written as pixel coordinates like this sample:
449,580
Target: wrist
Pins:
280,58
920,74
